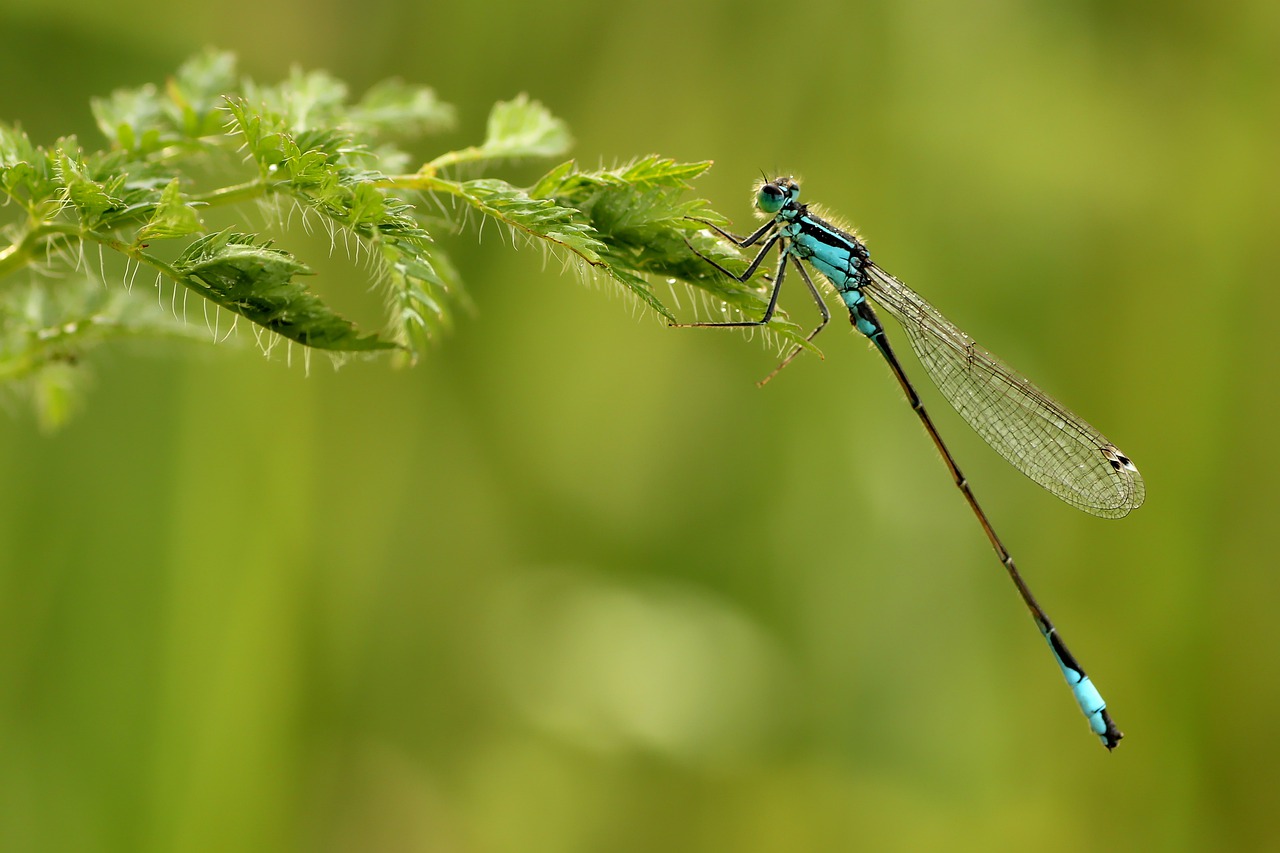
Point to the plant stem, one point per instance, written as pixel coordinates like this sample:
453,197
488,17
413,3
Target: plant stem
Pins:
18,255
423,181
232,195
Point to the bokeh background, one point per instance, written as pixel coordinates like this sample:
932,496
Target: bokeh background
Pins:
574,583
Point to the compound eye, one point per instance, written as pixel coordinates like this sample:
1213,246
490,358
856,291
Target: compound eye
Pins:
769,198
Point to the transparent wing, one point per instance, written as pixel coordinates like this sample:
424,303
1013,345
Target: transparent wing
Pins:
1039,436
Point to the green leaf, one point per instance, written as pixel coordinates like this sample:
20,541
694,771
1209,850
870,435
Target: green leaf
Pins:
134,119
524,128
550,183
638,214
45,334
56,394
256,282
144,120
517,129
91,199
26,173
314,150
261,130
419,289
172,217
312,99
196,92
321,169
395,108
641,217
541,218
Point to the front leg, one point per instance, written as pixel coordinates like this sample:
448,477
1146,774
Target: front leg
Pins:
746,275
826,316
751,268
741,242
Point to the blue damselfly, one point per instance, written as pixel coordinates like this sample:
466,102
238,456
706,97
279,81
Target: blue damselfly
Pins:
1030,429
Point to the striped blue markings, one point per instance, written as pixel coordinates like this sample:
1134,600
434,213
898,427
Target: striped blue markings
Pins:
1036,434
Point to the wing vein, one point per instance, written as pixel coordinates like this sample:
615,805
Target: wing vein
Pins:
1034,432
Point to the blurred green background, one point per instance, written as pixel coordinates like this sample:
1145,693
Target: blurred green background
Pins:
574,583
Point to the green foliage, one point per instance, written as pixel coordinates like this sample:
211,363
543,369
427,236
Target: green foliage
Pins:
208,144
257,282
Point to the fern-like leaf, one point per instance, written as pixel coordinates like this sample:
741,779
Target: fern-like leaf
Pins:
256,282
305,144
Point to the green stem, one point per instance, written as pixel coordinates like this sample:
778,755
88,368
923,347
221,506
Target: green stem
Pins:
11,257
18,255
453,158
232,195
44,344
424,181
133,252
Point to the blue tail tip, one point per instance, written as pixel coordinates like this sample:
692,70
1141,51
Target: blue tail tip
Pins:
1110,735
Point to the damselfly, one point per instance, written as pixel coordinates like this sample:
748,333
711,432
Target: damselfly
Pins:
1035,433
